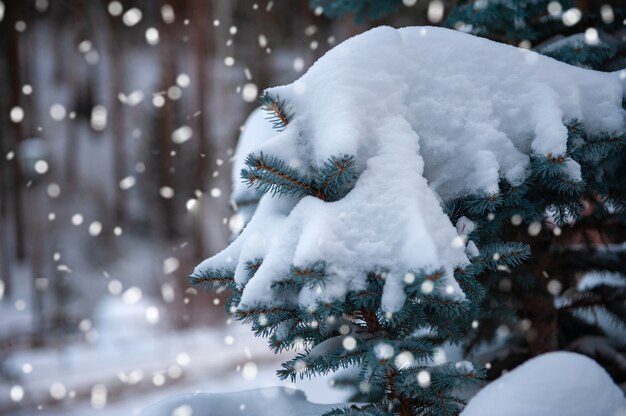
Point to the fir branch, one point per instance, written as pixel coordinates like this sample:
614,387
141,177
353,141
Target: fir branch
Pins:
595,149
280,113
580,53
354,410
251,314
213,279
308,364
311,276
466,277
252,266
550,172
337,177
495,256
269,174
480,205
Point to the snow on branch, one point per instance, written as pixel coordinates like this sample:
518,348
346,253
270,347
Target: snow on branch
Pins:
392,126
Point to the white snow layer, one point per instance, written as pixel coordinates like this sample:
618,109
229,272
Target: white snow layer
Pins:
255,131
430,114
559,383
272,401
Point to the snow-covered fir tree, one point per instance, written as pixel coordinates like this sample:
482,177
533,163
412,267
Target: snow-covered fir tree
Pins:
551,302
406,172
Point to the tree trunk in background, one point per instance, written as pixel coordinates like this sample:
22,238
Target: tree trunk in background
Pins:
168,79
11,50
538,304
204,50
6,256
74,72
116,115
34,197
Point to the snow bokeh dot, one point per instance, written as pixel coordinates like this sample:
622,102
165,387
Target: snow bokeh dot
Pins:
607,14
404,360
99,396
167,14
383,351
20,26
183,80
95,228
158,101
591,36
132,295
132,17
191,204
349,343
115,8
58,390
249,371
250,92
127,183
534,229
17,114
423,378
77,219
183,359
174,92
427,286
158,379
571,16
16,393
435,11
555,8
152,36
183,410
152,315
58,112
174,371
99,117
166,192
182,134
236,223
170,265
41,166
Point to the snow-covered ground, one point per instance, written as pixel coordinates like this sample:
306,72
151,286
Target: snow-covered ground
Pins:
561,383
133,365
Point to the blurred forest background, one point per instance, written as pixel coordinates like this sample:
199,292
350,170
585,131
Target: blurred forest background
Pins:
118,127
118,123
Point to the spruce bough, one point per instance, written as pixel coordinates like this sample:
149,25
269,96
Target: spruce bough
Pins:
325,263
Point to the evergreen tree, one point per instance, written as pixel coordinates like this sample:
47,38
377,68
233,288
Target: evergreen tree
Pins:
363,9
547,303
392,352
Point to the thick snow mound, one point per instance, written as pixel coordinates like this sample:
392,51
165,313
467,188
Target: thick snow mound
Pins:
272,401
430,114
559,383
256,130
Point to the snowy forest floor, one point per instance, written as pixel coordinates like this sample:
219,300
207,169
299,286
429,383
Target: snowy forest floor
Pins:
125,377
